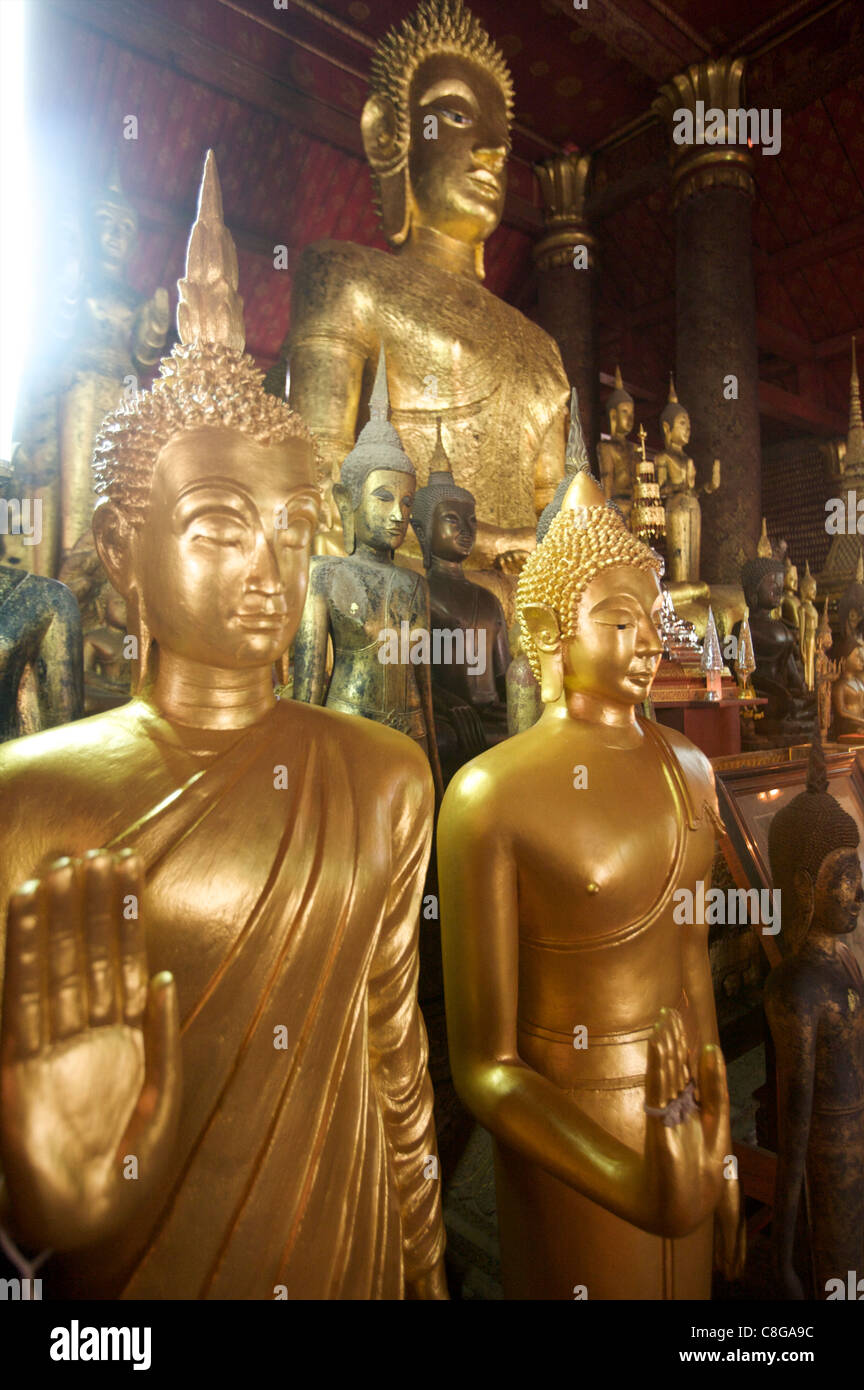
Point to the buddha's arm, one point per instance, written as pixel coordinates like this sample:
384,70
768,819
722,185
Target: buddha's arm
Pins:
63,656
845,703
794,1033
397,1037
310,645
480,928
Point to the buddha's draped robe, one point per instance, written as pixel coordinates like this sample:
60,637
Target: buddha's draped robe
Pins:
299,1170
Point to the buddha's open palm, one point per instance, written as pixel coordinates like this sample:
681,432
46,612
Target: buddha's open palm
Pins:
89,1054
683,1159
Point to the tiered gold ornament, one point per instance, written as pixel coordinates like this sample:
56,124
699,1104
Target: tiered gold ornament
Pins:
648,518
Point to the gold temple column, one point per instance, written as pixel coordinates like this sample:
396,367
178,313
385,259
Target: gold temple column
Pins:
716,359
566,277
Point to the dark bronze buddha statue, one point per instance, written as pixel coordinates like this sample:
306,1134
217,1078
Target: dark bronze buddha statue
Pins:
779,676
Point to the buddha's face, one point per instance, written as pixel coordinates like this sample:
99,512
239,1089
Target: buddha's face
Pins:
621,420
115,235
457,163
791,582
381,519
853,622
770,590
808,588
855,661
222,556
617,647
678,433
838,892
454,529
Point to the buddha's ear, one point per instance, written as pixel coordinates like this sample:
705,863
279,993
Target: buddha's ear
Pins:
387,157
112,533
542,624
420,532
342,498
803,885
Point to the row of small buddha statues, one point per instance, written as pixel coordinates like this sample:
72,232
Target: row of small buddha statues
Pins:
242,875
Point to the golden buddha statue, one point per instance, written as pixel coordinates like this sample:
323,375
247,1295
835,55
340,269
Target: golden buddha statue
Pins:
790,607
580,1012
676,474
436,134
373,612
827,672
847,695
617,456
266,859
808,623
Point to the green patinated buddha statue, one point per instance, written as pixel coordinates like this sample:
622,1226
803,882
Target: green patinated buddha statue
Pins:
374,613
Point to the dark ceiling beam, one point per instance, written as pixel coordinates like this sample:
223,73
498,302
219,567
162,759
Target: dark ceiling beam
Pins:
639,35
782,342
788,409
846,236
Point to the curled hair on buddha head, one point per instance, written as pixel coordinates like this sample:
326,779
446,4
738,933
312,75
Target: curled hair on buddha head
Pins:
378,446
754,571
584,539
439,488
207,381
805,832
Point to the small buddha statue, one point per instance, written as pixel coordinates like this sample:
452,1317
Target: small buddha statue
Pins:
617,456
262,860
41,681
436,131
375,614
827,672
468,679
790,607
579,1010
847,695
676,474
814,1001
850,613
790,711
808,623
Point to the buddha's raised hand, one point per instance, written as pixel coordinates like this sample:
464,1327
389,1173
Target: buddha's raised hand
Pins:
89,1054
685,1142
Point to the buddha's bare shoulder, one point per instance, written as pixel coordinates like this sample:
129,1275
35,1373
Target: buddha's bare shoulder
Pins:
694,765
330,272
76,754
496,786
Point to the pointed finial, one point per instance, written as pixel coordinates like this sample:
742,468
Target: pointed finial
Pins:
854,461
584,491
576,457
379,401
817,770
439,462
859,568
764,549
712,659
642,442
209,309
619,384
673,399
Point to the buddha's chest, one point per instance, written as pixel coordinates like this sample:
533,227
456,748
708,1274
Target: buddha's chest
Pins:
367,601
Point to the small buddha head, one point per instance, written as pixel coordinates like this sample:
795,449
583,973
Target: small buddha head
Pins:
114,223
813,849
675,422
853,664
619,406
790,578
444,516
208,500
377,481
850,610
436,126
762,581
588,603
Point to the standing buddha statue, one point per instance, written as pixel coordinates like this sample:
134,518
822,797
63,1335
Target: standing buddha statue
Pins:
826,672
275,855
847,695
368,607
808,623
580,1011
453,349
676,474
469,693
617,456
814,1001
790,608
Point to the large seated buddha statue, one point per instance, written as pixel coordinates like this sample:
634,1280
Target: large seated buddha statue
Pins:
211,897
580,1007
436,133
790,713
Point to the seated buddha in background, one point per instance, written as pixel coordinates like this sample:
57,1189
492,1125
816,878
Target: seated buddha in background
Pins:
436,134
779,675
265,859
580,1011
847,695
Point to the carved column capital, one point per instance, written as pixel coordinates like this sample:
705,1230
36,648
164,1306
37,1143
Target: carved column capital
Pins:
564,183
695,107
